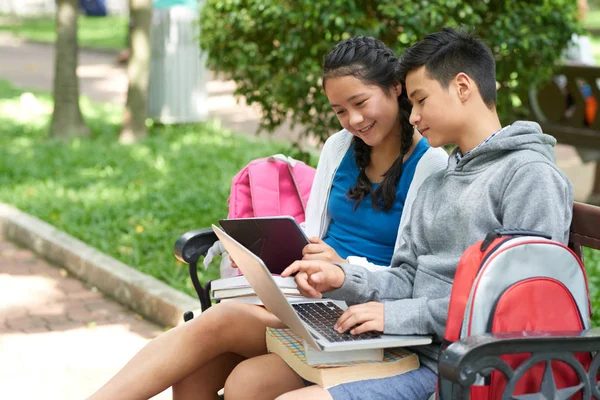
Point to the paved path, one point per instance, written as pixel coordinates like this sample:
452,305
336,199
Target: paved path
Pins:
59,340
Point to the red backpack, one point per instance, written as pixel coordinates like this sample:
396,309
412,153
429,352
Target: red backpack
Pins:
515,281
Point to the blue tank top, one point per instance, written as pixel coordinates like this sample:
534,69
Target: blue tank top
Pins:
366,232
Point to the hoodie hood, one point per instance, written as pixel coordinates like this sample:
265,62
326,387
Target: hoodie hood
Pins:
520,136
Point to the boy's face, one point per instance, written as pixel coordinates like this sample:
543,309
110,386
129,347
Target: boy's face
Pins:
436,111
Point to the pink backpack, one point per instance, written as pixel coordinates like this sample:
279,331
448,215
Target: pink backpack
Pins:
271,186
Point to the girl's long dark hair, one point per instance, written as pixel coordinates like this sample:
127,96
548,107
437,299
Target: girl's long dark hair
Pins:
371,61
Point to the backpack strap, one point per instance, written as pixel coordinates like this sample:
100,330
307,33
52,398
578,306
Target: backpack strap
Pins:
291,163
264,179
264,188
281,157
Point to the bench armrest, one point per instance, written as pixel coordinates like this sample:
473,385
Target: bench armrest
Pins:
462,362
188,249
191,245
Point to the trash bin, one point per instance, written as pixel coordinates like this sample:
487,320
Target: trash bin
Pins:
177,83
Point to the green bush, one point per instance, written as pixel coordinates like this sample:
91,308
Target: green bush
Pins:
273,49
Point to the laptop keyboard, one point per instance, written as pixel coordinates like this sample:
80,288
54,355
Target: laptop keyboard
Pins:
323,316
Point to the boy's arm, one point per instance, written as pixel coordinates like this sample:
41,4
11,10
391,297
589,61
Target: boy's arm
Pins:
403,315
538,197
420,316
396,282
361,285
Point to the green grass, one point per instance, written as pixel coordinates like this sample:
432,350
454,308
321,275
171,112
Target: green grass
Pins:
131,202
592,20
595,42
592,264
108,32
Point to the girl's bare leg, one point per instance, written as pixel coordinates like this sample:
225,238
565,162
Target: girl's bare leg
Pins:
262,377
226,328
205,382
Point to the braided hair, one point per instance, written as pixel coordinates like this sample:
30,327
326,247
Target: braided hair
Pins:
371,61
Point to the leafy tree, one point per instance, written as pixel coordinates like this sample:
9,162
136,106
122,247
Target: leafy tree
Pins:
67,120
273,49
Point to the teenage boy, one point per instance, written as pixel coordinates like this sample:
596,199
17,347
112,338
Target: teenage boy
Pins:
496,177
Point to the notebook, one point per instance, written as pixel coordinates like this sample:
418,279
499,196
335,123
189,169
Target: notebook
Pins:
304,318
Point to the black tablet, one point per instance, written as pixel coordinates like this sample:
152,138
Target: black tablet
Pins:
278,241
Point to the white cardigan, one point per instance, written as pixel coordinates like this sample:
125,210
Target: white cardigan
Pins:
334,150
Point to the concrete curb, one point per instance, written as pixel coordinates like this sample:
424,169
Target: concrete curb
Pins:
144,294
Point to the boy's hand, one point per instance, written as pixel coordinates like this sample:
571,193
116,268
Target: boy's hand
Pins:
362,318
233,264
314,277
319,250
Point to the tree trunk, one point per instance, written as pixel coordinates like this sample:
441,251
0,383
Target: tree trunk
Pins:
67,120
138,72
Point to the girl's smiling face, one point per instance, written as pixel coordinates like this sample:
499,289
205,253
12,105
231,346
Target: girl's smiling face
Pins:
366,111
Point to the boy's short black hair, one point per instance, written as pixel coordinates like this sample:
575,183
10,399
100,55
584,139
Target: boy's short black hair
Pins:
449,52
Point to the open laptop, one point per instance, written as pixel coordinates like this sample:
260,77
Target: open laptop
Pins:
312,320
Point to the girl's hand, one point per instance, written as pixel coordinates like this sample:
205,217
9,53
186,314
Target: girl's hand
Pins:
319,250
362,318
233,264
314,277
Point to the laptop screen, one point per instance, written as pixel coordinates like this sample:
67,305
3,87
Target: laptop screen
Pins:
263,284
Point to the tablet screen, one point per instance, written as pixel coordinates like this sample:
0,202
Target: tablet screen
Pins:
278,241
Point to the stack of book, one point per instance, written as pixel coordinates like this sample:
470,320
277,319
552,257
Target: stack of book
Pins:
290,348
237,288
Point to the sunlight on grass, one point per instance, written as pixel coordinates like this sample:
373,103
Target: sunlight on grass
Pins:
131,202
592,24
592,20
108,32
595,42
27,107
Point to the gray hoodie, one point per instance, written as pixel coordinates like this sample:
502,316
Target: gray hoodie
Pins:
511,181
